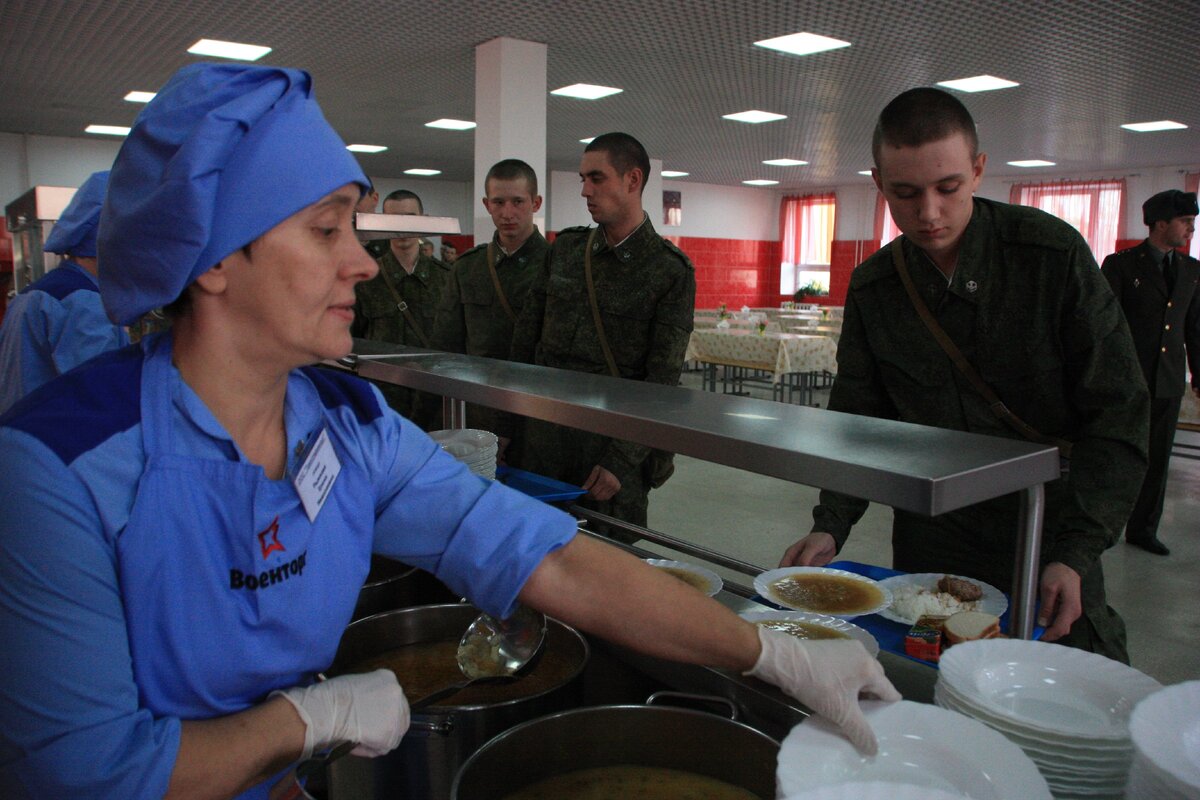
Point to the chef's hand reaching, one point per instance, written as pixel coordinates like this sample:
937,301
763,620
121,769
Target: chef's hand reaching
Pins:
368,709
828,677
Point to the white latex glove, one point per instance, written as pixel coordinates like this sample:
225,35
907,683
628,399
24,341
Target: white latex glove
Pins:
828,677
368,709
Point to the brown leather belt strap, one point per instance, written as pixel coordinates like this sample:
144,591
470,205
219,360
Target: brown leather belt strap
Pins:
404,309
947,344
491,262
591,287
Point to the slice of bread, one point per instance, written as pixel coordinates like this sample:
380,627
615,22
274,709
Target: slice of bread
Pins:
966,626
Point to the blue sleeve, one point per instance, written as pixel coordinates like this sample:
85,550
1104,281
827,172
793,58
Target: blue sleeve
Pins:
86,331
479,537
70,720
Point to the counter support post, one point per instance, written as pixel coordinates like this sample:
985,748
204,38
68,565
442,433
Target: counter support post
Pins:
454,413
1028,566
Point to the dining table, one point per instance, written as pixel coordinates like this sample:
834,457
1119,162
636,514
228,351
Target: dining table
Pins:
790,364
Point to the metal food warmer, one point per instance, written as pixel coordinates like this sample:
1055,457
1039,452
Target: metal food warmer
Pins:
30,218
912,467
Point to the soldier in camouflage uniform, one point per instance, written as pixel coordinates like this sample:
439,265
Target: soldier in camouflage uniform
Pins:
367,205
1018,291
472,317
646,292
418,282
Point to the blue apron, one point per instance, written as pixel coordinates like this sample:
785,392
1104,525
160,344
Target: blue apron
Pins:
229,590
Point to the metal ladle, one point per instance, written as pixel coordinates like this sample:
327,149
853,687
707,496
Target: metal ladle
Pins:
494,651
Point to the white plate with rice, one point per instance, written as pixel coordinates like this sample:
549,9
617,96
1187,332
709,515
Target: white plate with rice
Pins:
914,595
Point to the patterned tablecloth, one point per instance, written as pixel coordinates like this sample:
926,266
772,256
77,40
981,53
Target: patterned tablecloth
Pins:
780,353
709,323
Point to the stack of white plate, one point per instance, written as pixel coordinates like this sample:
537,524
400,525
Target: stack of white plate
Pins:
475,448
1067,709
943,753
1166,744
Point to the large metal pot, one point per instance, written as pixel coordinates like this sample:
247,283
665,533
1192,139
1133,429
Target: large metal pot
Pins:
442,737
393,584
604,736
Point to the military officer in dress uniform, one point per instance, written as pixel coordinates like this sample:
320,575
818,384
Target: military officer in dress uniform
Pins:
1018,292
645,291
399,303
489,283
1156,287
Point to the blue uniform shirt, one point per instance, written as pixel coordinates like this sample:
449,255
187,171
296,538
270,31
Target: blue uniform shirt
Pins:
102,661
53,325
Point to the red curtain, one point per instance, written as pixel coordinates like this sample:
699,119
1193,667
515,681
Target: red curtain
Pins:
806,224
1094,208
885,226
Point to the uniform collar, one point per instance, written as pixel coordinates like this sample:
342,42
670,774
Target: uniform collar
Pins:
77,267
302,410
420,269
969,280
523,250
632,246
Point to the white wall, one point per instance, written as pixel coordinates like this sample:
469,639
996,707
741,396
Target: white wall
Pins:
717,212
27,161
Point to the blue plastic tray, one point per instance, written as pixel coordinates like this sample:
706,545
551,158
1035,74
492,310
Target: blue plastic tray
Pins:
548,490
889,634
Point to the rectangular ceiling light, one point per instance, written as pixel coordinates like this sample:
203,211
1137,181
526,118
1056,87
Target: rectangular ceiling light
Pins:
586,91
866,172
802,44
754,117
1160,125
1031,163
451,124
673,173
140,97
979,83
588,140
365,148
422,172
234,50
760,182
785,162
107,130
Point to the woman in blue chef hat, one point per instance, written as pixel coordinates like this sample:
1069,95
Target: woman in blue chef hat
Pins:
172,574
58,322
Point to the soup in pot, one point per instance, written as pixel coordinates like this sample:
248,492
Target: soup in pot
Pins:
628,781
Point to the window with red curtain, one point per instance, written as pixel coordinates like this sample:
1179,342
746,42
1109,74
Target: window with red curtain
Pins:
1094,208
806,238
885,226
1192,184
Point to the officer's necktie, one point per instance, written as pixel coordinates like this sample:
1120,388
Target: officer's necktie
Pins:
1168,268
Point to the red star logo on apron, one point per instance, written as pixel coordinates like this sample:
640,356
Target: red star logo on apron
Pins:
269,539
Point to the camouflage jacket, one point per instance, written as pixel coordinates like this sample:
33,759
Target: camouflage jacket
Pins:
376,316
1030,310
646,292
470,318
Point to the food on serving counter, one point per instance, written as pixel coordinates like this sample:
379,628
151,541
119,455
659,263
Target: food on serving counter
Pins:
827,594
960,588
644,783
687,576
912,602
425,667
967,626
924,638
802,630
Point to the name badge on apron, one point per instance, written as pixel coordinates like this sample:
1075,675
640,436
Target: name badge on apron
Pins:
319,468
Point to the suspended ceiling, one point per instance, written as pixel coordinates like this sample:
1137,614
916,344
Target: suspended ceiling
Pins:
383,69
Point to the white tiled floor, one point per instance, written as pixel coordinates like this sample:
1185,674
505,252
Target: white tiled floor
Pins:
755,518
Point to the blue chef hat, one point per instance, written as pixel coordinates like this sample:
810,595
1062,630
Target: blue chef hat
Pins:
222,154
75,231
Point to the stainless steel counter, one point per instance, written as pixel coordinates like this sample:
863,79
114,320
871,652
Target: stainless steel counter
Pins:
913,467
